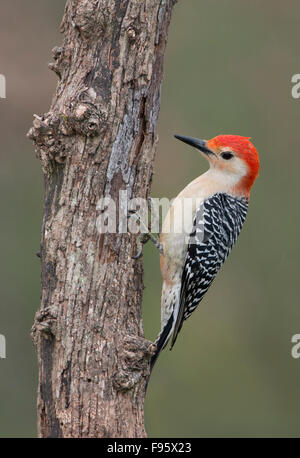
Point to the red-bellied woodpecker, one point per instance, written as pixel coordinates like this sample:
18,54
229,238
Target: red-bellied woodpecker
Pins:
220,199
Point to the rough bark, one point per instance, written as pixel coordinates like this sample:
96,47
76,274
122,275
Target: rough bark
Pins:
98,137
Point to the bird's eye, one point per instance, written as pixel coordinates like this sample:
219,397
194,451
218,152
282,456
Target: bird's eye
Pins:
227,155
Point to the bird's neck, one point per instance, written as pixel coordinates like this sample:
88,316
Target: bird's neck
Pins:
216,181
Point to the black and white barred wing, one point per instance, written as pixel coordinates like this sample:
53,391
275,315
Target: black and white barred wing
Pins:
217,225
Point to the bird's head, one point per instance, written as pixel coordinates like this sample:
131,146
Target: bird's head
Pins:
232,155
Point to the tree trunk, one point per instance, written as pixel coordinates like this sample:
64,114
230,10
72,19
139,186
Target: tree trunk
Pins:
98,138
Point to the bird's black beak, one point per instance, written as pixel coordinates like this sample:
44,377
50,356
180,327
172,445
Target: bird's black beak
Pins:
196,143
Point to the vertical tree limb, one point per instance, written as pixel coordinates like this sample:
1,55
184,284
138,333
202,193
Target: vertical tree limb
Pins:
98,138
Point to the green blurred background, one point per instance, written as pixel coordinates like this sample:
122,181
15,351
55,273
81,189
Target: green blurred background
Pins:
228,70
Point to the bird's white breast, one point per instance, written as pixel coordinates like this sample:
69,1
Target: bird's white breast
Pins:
178,223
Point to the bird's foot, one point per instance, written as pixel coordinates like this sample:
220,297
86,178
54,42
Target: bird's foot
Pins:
144,238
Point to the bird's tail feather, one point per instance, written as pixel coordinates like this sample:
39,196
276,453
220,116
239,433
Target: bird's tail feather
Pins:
162,340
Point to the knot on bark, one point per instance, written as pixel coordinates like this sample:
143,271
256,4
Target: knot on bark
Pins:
84,119
84,114
132,33
90,19
46,135
134,363
60,60
44,323
50,130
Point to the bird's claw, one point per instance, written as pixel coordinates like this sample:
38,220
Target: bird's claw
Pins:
142,239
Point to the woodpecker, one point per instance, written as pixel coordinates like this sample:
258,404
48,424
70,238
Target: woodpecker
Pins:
191,259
